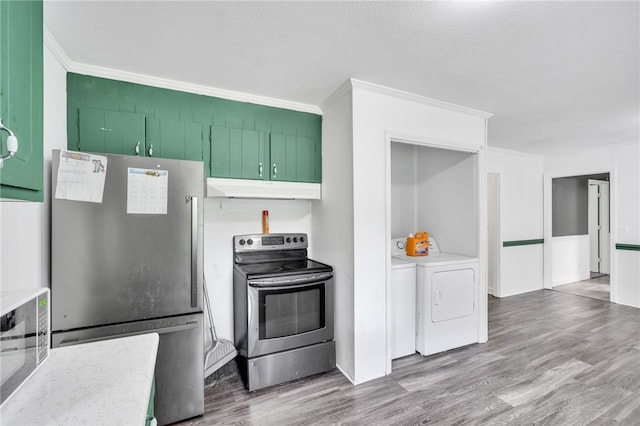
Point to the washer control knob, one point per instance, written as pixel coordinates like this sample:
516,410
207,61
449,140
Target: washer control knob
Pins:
288,239
295,239
241,242
302,239
250,241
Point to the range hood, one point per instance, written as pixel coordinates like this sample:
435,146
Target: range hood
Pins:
246,188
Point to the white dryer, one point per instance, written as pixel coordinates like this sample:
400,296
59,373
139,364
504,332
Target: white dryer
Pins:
447,300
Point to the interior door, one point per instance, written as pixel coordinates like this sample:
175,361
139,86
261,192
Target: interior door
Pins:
594,228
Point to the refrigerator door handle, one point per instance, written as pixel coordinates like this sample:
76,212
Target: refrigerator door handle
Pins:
194,250
187,326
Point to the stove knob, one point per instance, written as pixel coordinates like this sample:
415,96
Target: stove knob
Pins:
250,241
241,242
302,239
295,239
288,239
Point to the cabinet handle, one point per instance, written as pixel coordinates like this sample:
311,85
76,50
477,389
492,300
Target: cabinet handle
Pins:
12,144
275,170
138,149
260,169
151,150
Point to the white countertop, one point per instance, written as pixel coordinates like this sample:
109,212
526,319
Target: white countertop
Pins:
99,383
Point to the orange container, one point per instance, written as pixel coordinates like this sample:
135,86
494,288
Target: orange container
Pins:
418,245
265,221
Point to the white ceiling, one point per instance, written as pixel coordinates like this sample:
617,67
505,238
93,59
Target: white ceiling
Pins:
555,74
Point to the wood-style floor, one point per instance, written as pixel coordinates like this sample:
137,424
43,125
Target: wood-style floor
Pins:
596,288
552,359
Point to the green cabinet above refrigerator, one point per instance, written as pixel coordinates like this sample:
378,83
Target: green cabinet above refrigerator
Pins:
21,94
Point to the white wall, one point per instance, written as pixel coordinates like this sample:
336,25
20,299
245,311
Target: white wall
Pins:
224,218
333,220
377,112
403,186
447,198
570,259
622,161
24,226
521,218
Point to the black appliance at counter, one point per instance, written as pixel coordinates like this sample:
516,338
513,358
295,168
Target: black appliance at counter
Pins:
283,309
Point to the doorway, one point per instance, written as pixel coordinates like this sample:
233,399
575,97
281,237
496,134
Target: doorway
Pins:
580,237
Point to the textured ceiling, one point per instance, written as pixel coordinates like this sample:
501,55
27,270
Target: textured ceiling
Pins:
557,75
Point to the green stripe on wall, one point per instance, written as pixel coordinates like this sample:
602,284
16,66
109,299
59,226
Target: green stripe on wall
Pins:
632,247
522,242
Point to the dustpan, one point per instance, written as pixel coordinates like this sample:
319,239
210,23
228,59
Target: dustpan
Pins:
217,352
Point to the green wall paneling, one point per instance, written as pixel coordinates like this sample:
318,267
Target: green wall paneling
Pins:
522,242
21,92
631,247
253,123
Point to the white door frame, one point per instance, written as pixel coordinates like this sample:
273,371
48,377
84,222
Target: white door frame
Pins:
493,262
548,225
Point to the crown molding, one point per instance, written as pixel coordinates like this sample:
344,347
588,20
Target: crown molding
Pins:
372,87
499,150
54,47
337,94
80,68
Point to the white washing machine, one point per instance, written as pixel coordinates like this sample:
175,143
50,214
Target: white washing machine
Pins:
447,300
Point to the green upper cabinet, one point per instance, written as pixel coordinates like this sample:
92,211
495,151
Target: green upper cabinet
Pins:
236,140
237,153
294,159
111,132
21,93
180,140
252,154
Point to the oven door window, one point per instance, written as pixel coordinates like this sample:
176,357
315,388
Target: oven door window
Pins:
292,311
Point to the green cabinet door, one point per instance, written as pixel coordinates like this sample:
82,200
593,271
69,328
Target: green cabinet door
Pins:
238,153
21,91
111,132
176,139
294,159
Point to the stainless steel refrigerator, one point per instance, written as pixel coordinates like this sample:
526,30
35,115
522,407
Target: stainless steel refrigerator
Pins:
120,270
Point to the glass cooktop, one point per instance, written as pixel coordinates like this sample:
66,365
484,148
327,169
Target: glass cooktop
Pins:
283,268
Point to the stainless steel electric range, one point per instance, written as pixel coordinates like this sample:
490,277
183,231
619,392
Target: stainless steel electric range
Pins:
283,309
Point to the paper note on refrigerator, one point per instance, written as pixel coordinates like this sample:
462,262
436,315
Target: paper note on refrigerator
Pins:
147,191
81,176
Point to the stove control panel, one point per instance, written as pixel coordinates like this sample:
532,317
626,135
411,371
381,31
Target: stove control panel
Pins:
262,242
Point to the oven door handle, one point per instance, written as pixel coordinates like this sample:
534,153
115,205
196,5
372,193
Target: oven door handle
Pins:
285,282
